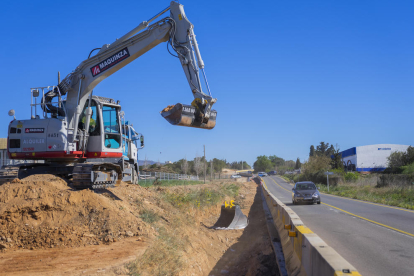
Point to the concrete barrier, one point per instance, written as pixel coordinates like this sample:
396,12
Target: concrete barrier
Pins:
305,252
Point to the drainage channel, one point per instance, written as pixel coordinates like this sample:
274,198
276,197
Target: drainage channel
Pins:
274,237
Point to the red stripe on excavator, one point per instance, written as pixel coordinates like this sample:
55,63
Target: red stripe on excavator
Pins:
44,154
103,154
61,154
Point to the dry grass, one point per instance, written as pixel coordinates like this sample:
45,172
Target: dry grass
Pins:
201,198
366,188
149,216
164,257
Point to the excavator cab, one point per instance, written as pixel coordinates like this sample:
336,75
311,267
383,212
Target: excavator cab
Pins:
189,116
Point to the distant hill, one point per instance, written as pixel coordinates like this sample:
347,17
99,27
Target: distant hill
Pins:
149,162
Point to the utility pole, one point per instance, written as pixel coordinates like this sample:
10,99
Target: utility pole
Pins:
205,167
211,170
242,165
328,173
327,180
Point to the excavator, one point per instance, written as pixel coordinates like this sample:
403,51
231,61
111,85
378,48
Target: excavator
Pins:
86,136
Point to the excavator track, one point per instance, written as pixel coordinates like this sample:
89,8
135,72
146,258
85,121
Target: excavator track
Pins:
94,176
8,173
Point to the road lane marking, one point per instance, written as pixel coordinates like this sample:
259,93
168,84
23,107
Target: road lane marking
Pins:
280,185
363,201
383,225
372,203
349,213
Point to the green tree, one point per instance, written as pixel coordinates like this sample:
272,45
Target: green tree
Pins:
396,159
409,156
316,164
239,165
322,149
276,161
401,158
262,164
246,166
312,151
290,164
336,162
298,164
218,165
330,151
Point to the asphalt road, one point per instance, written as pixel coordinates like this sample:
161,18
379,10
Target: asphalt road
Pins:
376,239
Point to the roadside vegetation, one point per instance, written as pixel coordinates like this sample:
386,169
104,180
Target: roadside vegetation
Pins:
394,186
369,188
202,198
196,166
269,163
168,183
164,257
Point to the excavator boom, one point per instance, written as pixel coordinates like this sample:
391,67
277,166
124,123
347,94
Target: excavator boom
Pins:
86,136
178,32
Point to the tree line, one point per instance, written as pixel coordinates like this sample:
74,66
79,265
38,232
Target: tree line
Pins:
330,155
269,163
322,158
196,166
401,162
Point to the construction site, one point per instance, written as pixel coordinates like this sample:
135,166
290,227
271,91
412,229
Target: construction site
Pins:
49,228
74,202
103,102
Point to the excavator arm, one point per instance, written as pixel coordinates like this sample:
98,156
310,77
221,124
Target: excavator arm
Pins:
178,31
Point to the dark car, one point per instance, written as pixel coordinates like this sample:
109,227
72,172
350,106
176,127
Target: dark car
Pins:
272,173
305,192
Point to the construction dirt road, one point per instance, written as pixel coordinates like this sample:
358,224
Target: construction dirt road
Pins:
48,228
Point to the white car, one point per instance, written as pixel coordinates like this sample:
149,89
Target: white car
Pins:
235,176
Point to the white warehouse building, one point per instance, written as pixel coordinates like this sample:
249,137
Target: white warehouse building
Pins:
370,158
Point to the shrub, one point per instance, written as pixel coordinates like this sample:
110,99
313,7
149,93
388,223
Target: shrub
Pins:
149,216
395,180
231,190
409,169
163,257
351,177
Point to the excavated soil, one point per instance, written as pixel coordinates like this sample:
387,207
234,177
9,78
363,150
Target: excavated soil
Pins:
48,228
42,211
168,108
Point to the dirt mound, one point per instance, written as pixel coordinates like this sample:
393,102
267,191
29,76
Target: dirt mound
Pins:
228,171
163,169
42,211
173,229
168,108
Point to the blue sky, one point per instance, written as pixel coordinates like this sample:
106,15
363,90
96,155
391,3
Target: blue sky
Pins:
287,74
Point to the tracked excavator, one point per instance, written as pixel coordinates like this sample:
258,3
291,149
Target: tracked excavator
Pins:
86,136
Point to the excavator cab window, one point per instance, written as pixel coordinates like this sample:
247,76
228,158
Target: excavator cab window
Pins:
111,127
94,124
126,139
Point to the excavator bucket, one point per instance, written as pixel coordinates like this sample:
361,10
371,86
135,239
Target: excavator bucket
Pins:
231,219
186,115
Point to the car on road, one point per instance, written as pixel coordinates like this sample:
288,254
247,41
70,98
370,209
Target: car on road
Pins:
272,173
262,174
235,176
305,192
